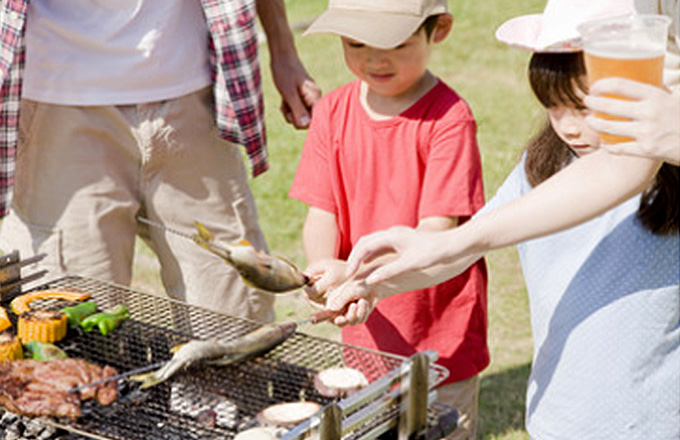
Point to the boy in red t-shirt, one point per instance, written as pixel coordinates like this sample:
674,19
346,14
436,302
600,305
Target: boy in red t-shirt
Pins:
397,146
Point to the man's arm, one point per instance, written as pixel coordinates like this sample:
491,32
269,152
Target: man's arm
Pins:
298,90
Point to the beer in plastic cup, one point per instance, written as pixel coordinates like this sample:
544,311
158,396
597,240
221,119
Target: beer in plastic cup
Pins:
630,47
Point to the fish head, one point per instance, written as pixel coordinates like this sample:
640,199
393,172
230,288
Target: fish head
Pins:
287,329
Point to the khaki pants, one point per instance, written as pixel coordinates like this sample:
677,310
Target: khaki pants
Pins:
464,397
83,175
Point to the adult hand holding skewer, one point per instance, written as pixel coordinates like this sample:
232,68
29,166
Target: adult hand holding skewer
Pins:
651,118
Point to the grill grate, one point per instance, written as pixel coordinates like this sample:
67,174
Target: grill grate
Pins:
203,402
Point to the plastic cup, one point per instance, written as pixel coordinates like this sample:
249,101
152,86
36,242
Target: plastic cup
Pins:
630,47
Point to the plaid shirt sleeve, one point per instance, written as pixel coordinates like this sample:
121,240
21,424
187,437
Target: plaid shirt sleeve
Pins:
236,70
12,56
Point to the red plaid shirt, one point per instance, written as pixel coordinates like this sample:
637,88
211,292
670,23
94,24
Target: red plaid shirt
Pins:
235,71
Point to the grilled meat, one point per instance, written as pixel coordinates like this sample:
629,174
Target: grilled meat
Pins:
40,388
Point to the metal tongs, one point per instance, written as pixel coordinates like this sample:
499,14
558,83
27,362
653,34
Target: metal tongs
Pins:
10,272
257,269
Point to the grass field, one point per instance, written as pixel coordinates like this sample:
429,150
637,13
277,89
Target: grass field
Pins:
491,77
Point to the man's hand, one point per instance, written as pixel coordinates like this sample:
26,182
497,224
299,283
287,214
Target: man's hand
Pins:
298,90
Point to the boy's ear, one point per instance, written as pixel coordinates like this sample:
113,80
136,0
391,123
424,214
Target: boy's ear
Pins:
443,27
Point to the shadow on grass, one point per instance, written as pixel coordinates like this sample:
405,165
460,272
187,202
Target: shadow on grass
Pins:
501,402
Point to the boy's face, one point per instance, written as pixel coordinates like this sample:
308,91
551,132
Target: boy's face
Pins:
389,72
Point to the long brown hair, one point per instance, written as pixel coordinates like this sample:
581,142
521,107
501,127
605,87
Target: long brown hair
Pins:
555,79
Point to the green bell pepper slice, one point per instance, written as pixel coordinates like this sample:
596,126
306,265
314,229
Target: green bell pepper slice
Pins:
106,322
77,313
44,351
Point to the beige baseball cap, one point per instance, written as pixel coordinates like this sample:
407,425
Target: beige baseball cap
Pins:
379,23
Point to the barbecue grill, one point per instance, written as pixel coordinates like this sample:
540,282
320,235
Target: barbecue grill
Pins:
206,402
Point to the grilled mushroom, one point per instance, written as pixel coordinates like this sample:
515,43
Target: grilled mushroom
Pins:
286,415
260,433
339,382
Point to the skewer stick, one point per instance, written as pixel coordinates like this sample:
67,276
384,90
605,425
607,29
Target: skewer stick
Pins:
118,376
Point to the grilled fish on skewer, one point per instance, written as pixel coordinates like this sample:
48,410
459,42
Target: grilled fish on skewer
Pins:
249,345
257,269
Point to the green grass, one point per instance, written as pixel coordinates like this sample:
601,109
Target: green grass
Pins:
491,77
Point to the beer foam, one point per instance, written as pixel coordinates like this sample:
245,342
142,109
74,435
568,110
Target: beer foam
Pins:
616,49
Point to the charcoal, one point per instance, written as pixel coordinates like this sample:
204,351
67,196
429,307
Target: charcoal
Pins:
208,409
8,419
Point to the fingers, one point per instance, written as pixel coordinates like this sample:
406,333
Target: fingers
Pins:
294,112
298,102
287,113
314,296
322,284
346,293
628,148
389,270
367,248
325,275
614,106
310,92
626,128
623,87
357,313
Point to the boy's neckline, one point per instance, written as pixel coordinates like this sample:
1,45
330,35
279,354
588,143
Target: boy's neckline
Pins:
430,82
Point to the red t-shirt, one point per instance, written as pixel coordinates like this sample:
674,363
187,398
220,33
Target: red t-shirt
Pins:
376,174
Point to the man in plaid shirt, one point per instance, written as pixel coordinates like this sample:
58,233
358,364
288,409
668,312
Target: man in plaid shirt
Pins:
114,110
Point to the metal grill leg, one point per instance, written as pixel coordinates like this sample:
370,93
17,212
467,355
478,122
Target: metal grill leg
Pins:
414,421
331,423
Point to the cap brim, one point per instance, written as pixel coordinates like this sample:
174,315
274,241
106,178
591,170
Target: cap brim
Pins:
384,31
524,32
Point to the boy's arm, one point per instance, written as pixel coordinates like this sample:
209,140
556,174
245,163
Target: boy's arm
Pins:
319,238
319,235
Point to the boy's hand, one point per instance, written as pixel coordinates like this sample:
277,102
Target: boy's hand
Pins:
359,298
326,274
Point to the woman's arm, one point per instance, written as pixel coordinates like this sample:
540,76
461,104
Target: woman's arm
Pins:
583,190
